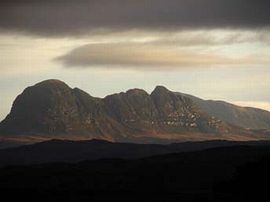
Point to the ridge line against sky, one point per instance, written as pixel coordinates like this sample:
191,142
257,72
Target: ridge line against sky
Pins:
216,49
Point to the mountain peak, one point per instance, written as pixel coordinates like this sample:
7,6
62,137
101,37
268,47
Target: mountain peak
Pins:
137,91
52,83
160,89
34,109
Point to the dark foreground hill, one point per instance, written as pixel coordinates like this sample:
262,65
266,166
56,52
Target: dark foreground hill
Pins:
52,109
76,151
219,174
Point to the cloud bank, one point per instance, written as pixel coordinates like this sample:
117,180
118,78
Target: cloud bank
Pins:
174,50
135,55
148,56
78,17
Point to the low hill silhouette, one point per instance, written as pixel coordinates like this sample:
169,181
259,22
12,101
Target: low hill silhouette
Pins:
217,174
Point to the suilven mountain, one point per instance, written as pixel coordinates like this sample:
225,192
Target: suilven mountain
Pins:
51,108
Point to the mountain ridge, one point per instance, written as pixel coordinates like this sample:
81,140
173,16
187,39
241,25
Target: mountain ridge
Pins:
51,107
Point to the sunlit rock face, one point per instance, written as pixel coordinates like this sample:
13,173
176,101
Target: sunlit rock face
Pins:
53,108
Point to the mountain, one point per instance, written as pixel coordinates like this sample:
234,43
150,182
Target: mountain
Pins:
51,108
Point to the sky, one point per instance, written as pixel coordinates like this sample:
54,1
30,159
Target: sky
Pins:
213,49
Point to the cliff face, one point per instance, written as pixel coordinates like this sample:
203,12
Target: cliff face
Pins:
53,108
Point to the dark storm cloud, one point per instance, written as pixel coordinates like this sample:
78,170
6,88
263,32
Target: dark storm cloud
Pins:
74,17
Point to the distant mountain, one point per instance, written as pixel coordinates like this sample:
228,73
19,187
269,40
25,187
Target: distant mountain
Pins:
54,109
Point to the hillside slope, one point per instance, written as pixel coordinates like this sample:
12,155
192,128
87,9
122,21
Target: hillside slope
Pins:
246,117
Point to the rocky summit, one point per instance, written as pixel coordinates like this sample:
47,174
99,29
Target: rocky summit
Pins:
53,108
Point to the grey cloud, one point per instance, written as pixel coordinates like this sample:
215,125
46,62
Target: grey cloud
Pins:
78,17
